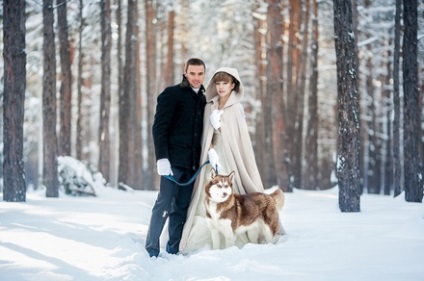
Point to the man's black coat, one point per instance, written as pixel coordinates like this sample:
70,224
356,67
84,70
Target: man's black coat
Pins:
178,125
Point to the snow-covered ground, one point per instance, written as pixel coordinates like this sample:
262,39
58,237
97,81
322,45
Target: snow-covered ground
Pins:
102,238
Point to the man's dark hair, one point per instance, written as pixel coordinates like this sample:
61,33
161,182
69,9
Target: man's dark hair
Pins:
194,61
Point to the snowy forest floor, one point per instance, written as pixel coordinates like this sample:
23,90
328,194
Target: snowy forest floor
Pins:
102,238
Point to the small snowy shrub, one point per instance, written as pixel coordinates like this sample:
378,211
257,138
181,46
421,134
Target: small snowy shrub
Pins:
76,179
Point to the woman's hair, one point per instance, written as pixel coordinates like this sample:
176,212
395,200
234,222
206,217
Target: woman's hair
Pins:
224,76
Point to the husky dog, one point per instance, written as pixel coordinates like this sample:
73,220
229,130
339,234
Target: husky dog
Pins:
230,214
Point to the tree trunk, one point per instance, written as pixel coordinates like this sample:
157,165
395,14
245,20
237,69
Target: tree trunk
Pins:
372,171
397,170
263,145
299,137
169,70
311,153
126,99
116,137
104,137
14,56
411,125
50,149
387,125
79,137
184,30
149,182
362,132
347,102
292,86
66,79
88,102
373,175
275,90
138,150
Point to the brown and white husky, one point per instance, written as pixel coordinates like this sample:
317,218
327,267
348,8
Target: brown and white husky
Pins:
255,214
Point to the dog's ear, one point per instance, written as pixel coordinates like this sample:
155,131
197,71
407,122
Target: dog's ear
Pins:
231,176
213,173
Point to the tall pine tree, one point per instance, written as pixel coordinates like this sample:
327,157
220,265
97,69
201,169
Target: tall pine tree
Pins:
348,108
50,149
411,120
14,98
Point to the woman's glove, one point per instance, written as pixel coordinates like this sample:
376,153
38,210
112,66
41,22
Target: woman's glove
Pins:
164,167
214,159
215,118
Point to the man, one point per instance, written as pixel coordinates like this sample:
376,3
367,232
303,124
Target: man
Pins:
177,131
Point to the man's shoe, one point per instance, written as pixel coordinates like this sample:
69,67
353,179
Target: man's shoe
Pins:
171,250
152,253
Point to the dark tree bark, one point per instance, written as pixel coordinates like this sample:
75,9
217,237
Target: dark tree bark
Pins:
348,108
362,132
311,152
104,137
14,56
50,149
275,90
411,124
126,99
151,90
66,79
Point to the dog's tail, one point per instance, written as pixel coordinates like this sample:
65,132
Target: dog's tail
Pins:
278,196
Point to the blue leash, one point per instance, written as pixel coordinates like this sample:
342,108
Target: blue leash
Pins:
171,178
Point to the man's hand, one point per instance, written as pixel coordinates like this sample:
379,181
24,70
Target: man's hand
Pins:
215,118
214,159
164,167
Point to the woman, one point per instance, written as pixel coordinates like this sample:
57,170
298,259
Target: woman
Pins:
226,143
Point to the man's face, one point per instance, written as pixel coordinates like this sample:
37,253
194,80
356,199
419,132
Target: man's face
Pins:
195,75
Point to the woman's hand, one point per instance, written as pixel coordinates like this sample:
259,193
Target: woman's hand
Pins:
214,159
215,118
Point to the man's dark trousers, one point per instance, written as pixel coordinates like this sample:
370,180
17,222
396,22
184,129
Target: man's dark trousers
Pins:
172,202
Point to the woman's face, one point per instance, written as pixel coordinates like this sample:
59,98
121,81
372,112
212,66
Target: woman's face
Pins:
224,88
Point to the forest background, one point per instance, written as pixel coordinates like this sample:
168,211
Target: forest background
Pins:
112,58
